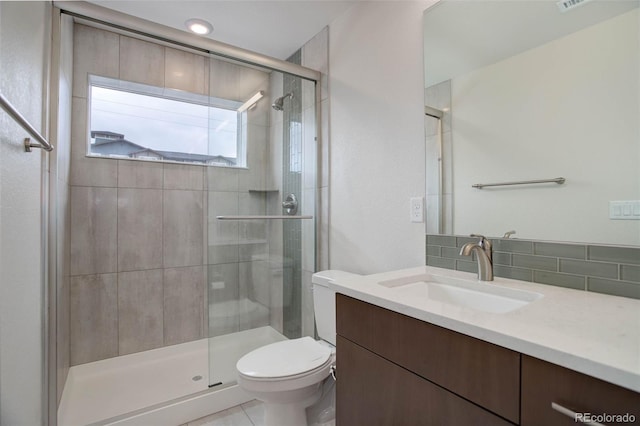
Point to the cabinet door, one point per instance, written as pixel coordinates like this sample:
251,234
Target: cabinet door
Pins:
544,383
481,372
372,391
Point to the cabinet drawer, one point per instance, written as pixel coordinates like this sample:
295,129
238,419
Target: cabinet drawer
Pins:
373,391
483,373
544,383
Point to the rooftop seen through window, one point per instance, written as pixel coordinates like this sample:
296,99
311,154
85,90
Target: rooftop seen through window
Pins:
137,121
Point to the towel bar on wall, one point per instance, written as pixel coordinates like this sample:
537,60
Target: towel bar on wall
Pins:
559,181
19,118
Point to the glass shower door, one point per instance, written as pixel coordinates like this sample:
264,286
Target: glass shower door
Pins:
259,269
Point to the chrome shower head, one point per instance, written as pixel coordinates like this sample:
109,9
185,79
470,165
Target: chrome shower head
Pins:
278,103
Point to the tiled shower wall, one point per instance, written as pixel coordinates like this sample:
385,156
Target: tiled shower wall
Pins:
603,269
299,150
138,248
292,184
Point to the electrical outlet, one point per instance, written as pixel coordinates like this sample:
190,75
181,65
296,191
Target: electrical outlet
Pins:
416,212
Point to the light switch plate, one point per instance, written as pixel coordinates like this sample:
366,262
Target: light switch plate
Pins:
416,212
624,210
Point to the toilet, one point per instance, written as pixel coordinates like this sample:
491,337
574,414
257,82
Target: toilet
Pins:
288,376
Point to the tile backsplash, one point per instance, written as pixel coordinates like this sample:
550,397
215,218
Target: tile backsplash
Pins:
613,270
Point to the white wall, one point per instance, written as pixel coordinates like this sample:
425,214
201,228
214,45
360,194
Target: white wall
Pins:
533,116
23,46
377,136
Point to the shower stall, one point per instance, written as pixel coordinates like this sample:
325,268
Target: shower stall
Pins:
192,228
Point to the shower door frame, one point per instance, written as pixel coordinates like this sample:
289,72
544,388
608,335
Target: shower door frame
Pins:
101,17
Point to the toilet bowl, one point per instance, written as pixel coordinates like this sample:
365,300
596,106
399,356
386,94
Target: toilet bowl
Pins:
288,376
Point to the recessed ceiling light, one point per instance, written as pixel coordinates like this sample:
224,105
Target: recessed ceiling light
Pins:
199,26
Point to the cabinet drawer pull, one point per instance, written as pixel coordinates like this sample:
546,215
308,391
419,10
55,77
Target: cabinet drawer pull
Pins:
569,413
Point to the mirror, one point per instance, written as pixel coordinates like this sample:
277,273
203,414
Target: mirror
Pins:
527,91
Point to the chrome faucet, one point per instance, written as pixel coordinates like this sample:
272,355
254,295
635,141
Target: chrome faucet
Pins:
483,254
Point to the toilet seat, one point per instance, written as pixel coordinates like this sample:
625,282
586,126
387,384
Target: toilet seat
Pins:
285,360
295,364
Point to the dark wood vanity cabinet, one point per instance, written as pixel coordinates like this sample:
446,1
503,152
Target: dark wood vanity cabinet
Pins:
374,391
396,370
389,363
544,383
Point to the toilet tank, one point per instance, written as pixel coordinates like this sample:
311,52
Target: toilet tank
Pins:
324,304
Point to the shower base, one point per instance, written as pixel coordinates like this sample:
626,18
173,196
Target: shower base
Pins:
157,386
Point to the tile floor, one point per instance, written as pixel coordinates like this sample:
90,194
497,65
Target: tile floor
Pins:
248,414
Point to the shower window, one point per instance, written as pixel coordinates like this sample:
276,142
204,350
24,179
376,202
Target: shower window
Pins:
143,122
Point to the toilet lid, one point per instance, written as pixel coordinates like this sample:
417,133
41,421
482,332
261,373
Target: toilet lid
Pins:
286,358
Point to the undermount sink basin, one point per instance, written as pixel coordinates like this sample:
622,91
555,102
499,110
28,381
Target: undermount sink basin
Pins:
482,296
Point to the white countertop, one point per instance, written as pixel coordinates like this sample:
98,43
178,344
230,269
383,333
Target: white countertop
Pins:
591,333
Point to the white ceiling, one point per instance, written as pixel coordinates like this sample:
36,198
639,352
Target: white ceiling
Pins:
464,35
273,28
